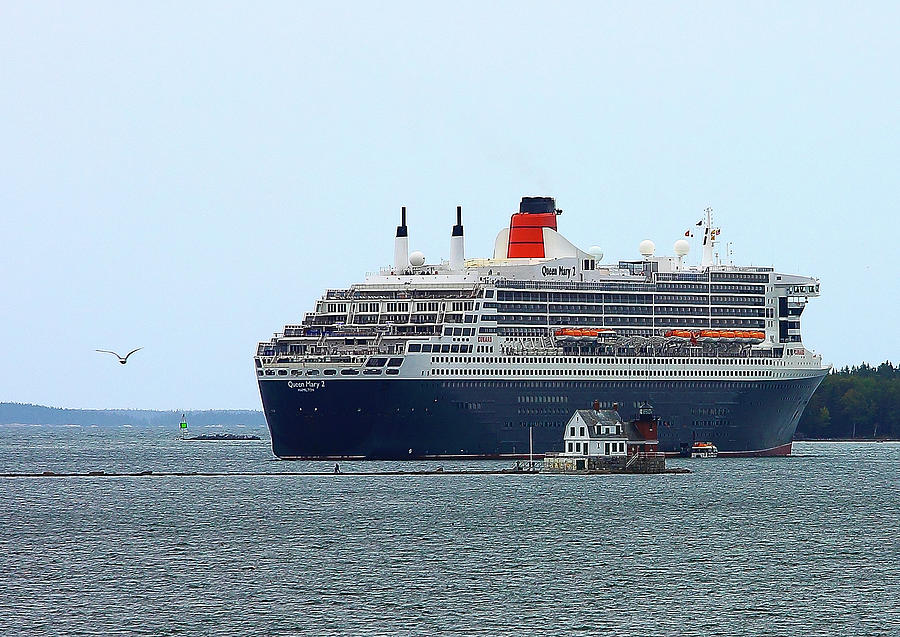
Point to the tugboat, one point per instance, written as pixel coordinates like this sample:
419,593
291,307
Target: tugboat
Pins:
704,450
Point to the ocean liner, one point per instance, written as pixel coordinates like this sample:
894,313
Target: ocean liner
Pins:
485,357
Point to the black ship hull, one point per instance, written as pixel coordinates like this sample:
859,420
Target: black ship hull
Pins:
414,419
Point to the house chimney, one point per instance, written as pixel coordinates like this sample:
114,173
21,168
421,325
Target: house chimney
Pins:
615,406
596,405
401,243
457,243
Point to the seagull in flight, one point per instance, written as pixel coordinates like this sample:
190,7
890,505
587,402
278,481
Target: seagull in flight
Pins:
121,359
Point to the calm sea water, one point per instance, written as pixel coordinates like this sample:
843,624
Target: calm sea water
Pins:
808,545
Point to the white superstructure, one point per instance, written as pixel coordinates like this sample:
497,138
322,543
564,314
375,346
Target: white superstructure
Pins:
504,316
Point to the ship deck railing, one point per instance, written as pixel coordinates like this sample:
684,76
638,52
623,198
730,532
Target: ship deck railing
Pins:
386,291
591,351
316,360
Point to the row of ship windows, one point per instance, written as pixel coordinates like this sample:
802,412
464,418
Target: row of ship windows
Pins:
374,307
327,372
701,310
600,321
459,331
718,321
675,318
622,305
522,423
559,411
443,349
609,384
628,308
600,360
711,423
640,292
699,424
666,311
643,293
550,399
664,373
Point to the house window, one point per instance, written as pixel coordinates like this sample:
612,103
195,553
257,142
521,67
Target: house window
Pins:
606,449
570,447
572,431
581,431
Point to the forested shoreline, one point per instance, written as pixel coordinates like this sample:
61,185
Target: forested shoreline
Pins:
862,401
28,414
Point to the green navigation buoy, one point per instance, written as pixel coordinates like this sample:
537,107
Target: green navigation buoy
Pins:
183,426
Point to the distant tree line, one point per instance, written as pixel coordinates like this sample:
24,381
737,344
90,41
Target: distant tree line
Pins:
855,402
22,413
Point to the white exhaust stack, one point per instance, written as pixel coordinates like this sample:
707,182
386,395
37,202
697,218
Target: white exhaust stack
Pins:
457,243
401,243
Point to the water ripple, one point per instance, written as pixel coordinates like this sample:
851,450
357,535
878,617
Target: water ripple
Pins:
792,546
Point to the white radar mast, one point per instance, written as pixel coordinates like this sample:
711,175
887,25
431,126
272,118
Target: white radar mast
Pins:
709,238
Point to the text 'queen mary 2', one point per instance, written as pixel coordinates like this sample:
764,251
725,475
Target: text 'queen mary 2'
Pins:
465,357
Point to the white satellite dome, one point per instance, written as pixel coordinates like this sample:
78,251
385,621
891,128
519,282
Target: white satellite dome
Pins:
647,248
417,259
596,252
682,247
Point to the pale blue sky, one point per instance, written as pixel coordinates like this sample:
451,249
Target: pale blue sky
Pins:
188,177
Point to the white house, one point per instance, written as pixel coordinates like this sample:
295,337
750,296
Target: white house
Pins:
595,433
599,441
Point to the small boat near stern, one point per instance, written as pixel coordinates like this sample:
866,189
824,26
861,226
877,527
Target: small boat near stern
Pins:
704,450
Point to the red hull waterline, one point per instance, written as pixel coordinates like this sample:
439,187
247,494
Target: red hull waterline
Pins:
781,450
